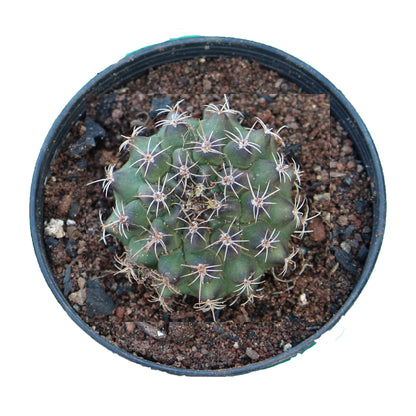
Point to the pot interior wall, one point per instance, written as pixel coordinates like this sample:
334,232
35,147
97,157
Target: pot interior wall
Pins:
140,62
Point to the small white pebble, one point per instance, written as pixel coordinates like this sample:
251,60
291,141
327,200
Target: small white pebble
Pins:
151,330
78,297
302,299
253,355
81,282
55,228
236,346
346,246
287,347
70,222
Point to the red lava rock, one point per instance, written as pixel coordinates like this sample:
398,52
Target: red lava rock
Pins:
64,205
346,149
207,85
351,164
318,227
343,220
120,312
354,220
130,326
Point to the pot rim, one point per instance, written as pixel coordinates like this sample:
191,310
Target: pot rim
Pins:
208,46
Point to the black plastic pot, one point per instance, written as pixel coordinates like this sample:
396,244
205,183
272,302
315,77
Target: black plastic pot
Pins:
136,64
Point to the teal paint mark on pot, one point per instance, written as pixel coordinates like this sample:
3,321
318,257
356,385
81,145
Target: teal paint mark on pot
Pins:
340,335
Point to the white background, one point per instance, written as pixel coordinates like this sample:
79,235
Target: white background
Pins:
365,365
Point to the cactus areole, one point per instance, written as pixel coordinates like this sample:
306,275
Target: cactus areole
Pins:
205,207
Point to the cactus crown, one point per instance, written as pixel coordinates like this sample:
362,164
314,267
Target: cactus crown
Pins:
204,207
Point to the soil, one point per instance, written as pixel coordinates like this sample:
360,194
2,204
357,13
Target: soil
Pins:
292,309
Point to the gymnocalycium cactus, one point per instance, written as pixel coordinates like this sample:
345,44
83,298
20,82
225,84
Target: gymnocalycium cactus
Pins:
205,207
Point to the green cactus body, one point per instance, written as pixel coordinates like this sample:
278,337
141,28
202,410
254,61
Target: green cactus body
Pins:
206,205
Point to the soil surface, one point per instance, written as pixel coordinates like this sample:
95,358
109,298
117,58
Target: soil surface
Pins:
292,308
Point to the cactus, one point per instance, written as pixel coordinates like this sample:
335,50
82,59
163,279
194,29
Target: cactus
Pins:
204,207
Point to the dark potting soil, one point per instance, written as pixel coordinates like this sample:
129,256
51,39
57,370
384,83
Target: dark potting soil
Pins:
292,308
